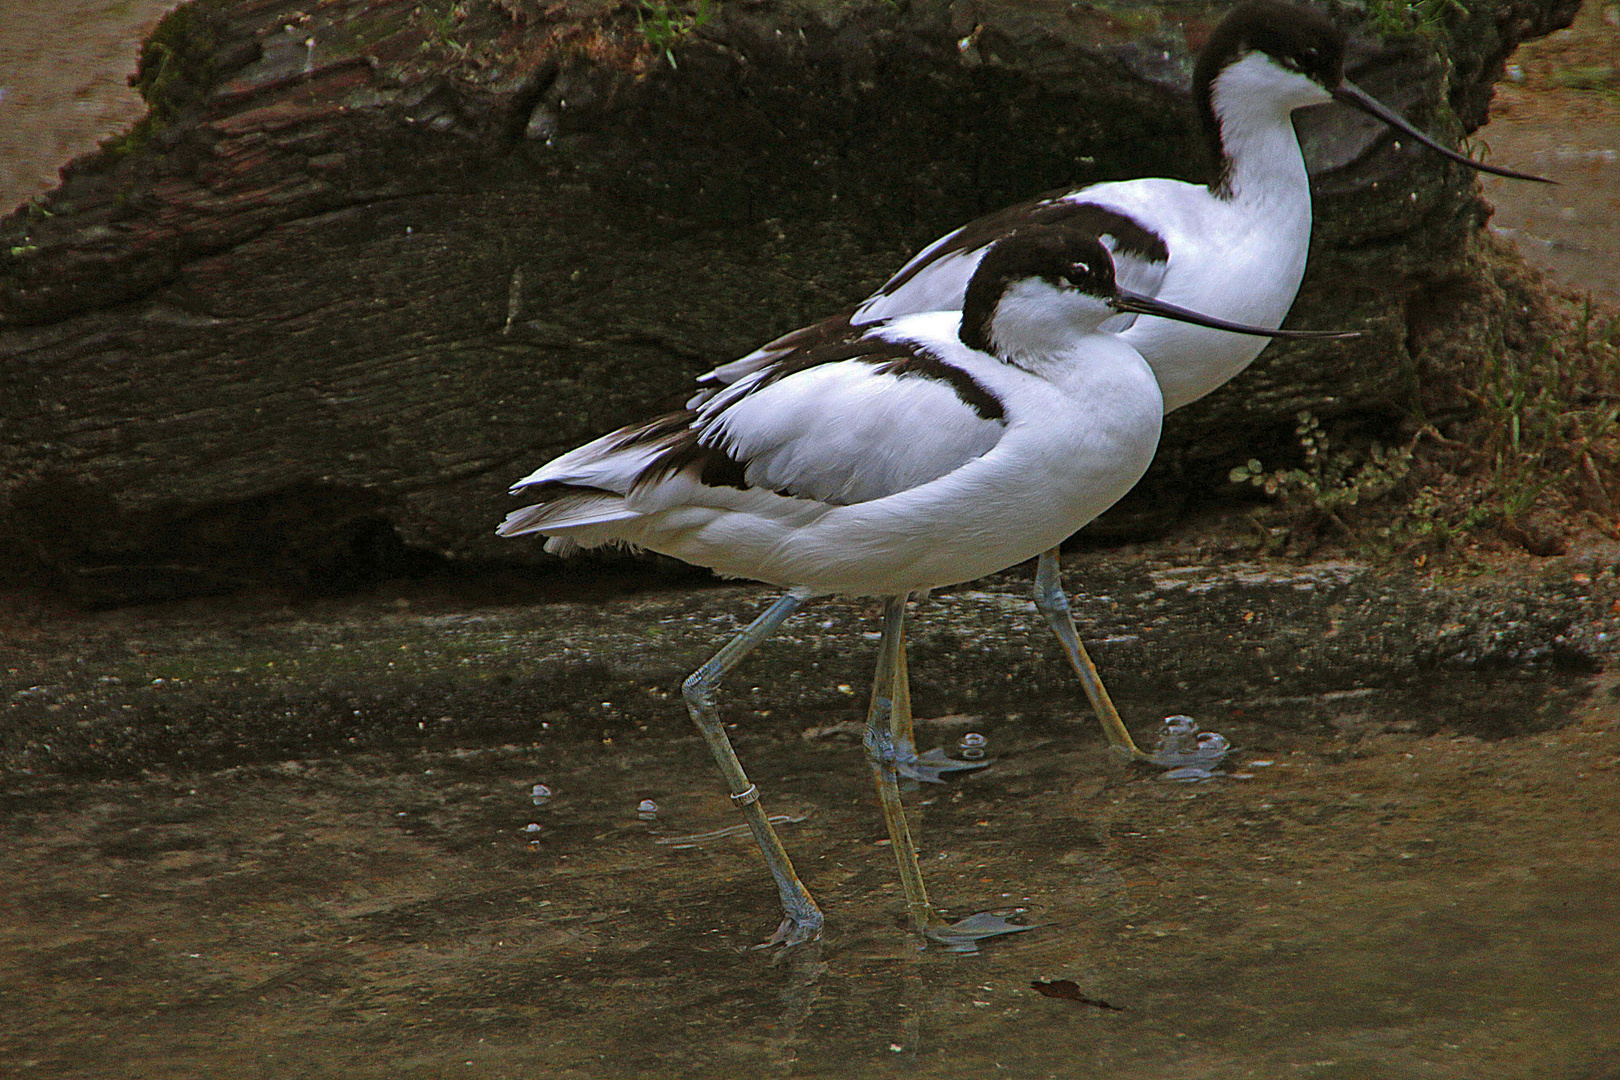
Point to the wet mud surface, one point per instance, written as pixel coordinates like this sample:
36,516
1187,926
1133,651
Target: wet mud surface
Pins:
266,839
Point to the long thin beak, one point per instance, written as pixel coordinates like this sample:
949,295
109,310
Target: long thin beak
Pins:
1136,303
1350,94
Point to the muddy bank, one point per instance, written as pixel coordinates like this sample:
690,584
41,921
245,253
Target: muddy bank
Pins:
1255,649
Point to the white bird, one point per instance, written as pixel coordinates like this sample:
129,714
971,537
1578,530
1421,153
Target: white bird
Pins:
1234,248
912,453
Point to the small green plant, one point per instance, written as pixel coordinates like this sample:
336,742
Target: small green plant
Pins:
443,28
1401,18
1535,457
1431,519
665,25
1330,480
1543,420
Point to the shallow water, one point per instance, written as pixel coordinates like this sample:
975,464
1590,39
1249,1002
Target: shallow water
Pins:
1568,230
1437,907
1366,892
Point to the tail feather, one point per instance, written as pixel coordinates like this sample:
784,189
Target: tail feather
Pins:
570,512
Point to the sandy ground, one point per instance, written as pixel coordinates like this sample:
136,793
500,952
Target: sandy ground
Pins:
1543,121
64,85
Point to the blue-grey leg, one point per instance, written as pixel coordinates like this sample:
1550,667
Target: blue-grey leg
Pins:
888,693
913,767
1053,603
803,918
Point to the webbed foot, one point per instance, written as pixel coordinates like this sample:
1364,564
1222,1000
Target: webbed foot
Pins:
931,767
795,931
964,935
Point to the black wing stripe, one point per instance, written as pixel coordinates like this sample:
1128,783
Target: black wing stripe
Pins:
679,445
972,393
834,340
1130,236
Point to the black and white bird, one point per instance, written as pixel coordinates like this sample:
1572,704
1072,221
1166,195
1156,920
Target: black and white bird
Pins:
910,453
1234,248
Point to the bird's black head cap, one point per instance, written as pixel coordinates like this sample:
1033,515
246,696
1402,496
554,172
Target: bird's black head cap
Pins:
1065,257
1295,37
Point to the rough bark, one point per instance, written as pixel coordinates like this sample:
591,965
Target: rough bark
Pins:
366,262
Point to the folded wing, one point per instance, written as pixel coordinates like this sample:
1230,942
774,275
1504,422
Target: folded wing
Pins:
845,418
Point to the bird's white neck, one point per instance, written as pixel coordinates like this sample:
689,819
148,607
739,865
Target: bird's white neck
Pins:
1253,100
1035,322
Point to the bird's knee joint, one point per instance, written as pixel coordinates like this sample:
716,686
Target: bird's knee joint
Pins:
698,687
1051,600
880,746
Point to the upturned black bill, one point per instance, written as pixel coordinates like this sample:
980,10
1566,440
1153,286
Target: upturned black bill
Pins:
1349,93
1136,303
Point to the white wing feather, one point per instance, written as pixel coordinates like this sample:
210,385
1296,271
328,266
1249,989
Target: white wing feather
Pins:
835,433
936,279
844,433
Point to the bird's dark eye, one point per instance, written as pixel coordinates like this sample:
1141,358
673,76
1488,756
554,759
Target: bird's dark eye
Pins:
1080,269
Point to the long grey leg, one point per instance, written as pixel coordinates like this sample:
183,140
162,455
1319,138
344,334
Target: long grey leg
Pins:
926,768
905,737
804,919
890,701
881,752
1181,746
1052,602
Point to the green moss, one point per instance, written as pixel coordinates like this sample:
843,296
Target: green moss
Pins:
665,25
176,69
357,35
1406,18
1599,77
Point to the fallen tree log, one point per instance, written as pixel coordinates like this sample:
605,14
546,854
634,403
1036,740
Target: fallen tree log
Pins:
366,262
